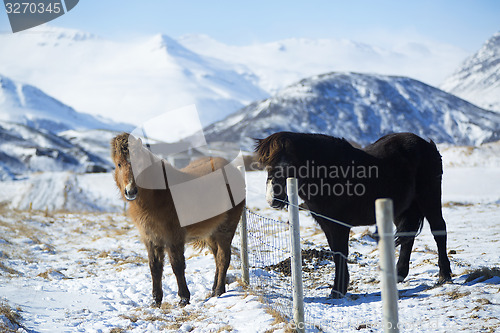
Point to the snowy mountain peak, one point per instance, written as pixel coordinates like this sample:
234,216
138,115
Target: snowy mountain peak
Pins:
478,78
360,108
177,51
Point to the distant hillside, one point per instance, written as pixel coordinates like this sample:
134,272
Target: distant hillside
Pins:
478,78
25,150
39,133
25,104
361,108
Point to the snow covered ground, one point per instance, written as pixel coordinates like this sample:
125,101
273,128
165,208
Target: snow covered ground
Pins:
67,271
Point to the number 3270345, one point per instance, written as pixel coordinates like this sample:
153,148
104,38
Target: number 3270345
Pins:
32,8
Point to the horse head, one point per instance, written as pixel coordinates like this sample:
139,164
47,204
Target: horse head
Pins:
276,154
121,146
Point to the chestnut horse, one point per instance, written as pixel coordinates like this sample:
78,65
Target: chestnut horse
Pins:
154,214
338,181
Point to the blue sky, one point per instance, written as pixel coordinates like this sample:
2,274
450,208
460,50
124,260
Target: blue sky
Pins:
463,23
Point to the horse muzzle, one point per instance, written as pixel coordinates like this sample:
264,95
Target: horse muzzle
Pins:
278,204
130,192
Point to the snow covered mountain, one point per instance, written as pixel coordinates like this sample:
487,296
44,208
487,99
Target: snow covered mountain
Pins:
281,63
39,133
361,108
130,81
478,78
25,104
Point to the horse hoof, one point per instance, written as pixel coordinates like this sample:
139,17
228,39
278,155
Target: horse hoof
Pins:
183,302
400,278
336,295
443,280
217,293
156,304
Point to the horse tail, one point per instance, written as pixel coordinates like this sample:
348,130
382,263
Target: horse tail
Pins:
409,224
429,175
435,161
199,244
430,170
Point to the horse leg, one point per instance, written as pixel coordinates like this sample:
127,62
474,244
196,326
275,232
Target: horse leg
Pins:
431,207
220,244
222,259
438,229
338,239
214,248
407,224
156,254
178,263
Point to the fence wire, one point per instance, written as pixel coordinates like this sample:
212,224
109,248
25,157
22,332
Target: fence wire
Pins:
269,256
269,253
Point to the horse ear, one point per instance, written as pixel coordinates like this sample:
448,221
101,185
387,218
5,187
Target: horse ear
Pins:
113,147
257,143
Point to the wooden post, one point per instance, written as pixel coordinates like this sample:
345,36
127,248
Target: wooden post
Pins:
384,215
296,261
245,272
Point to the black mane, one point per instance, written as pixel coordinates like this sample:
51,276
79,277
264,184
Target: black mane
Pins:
271,149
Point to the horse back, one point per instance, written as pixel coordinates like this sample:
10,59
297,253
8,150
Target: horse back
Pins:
407,148
409,166
204,166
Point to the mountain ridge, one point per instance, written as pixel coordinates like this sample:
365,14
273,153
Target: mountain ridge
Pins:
26,104
477,79
360,108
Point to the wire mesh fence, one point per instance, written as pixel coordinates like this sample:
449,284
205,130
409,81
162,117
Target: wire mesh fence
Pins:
269,261
269,252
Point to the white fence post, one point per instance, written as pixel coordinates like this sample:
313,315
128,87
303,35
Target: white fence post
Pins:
384,215
245,273
296,260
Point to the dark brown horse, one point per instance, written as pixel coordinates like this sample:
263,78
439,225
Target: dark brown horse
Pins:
154,214
341,182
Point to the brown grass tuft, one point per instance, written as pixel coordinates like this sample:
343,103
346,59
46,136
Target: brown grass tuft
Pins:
47,275
132,318
456,294
451,204
225,328
117,330
9,270
482,274
12,316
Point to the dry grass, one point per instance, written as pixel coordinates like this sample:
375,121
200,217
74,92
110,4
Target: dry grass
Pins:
52,272
482,274
13,316
22,227
4,207
9,270
117,330
455,294
225,328
279,319
483,301
184,317
452,204
133,318
169,317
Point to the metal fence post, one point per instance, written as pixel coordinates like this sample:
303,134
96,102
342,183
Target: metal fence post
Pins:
384,215
296,261
245,273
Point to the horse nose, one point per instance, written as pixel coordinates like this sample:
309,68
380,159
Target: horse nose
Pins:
130,192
